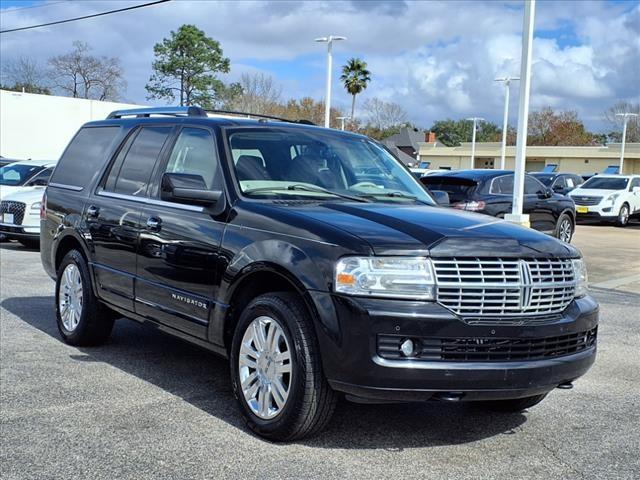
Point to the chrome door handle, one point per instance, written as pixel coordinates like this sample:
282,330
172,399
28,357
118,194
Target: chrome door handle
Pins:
154,224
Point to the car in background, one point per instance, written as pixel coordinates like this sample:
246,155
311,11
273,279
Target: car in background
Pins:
611,198
491,192
423,172
558,182
20,216
25,174
6,161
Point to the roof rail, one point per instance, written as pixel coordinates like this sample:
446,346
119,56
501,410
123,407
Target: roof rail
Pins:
190,111
258,115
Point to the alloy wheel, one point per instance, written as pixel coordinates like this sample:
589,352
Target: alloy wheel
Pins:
264,367
624,215
566,229
70,297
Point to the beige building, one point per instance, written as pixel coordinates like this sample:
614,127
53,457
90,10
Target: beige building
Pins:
580,160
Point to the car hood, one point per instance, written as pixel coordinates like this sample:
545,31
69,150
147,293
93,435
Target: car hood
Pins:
22,194
391,229
592,192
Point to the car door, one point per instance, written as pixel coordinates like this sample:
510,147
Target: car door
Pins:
113,214
634,195
540,206
559,185
179,243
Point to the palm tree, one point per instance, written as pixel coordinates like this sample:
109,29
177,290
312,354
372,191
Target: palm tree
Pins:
355,77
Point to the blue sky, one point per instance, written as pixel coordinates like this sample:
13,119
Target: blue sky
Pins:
435,59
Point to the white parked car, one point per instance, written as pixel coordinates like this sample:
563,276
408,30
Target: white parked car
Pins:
20,215
25,174
612,198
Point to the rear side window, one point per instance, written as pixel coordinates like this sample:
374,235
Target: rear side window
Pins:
502,185
84,156
131,171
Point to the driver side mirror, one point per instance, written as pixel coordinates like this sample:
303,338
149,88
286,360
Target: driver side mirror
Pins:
546,193
187,188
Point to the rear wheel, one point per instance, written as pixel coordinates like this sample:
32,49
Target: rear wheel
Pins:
623,216
276,371
513,405
564,228
82,319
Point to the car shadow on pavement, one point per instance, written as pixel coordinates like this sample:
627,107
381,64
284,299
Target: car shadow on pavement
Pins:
202,379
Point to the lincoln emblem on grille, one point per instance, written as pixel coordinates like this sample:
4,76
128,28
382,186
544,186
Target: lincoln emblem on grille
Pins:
526,284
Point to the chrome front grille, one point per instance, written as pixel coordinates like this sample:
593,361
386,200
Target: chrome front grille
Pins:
15,208
499,287
580,200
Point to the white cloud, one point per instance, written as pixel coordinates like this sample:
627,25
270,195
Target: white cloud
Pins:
437,59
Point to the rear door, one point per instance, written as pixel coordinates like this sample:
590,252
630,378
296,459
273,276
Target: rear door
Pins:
113,213
178,273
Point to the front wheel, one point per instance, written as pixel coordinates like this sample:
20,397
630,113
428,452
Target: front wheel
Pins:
276,371
623,216
564,228
514,405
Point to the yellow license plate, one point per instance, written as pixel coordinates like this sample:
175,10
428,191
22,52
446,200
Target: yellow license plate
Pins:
582,209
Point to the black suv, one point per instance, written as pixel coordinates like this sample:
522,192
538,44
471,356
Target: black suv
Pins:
491,192
314,261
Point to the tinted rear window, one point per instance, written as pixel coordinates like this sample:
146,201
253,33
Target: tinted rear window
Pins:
459,189
85,156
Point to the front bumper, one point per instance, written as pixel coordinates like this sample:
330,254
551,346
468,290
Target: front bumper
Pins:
604,210
353,365
19,232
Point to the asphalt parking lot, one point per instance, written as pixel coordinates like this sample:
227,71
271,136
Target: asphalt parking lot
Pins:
146,405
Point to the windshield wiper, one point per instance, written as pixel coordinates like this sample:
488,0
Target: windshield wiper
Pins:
307,188
394,194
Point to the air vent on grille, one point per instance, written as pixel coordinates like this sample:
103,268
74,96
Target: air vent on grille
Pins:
472,349
473,287
15,208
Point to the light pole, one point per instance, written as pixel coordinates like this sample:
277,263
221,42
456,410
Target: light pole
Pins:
327,106
342,119
516,215
625,120
505,123
473,139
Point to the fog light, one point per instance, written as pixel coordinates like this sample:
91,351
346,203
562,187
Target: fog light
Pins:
407,347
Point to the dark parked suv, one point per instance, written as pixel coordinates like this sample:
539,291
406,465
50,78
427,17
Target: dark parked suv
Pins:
491,192
314,261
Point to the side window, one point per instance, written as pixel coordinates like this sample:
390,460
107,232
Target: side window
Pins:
85,156
195,153
131,171
41,178
502,185
634,183
532,186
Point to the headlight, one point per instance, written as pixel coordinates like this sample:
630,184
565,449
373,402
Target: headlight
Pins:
580,274
395,277
612,197
35,206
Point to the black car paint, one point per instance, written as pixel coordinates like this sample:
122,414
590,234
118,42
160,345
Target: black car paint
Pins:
544,209
184,277
555,181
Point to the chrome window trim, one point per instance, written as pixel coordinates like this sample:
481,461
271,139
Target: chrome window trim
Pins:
149,201
64,186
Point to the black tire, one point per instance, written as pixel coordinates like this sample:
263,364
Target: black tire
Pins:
311,401
96,320
564,228
514,405
34,244
623,216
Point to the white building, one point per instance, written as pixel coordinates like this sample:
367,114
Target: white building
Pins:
40,126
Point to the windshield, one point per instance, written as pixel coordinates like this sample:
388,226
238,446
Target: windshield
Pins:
17,174
545,179
602,183
295,163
